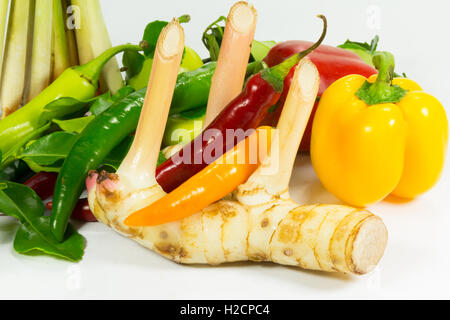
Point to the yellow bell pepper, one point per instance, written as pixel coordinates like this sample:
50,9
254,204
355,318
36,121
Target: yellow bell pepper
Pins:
378,136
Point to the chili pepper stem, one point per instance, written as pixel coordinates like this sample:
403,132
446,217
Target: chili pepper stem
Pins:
93,69
138,168
229,76
94,38
276,74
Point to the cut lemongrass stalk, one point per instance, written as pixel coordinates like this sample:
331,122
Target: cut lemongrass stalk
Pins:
14,66
41,57
291,127
70,33
138,168
96,37
229,76
3,20
61,59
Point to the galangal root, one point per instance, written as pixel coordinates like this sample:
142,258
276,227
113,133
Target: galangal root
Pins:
259,221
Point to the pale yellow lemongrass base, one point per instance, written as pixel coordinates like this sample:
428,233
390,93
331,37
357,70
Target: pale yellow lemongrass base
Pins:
14,65
3,22
60,51
140,163
41,57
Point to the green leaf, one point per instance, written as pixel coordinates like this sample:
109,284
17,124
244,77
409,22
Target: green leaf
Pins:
74,125
260,50
161,159
54,167
12,154
151,35
61,108
29,241
106,100
34,234
101,104
363,49
49,149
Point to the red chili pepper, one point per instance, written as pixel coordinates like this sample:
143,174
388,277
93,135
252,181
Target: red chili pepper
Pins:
81,212
43,184
247,111
333,64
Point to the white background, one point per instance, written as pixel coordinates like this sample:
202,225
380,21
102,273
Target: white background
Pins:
417,260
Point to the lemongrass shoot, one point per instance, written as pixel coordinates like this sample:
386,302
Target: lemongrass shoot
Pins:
15,58
229,76
61,59
94,35
70,27
41,57
3,22
78,10
139,166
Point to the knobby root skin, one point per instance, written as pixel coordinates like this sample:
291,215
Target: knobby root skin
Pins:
330,238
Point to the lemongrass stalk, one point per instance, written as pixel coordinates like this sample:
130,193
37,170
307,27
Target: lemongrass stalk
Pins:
3,20
42,48
138,168
229,76
14,66
85,53
291,127
94,35
70,34
61,59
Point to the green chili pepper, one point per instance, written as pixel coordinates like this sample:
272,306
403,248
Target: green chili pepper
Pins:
183,128
79,82
98,139
192,88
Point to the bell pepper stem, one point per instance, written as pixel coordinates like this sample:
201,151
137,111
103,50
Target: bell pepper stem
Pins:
385,64
275,75
382,90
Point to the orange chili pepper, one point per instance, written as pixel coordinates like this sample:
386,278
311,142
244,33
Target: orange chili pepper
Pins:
208,186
